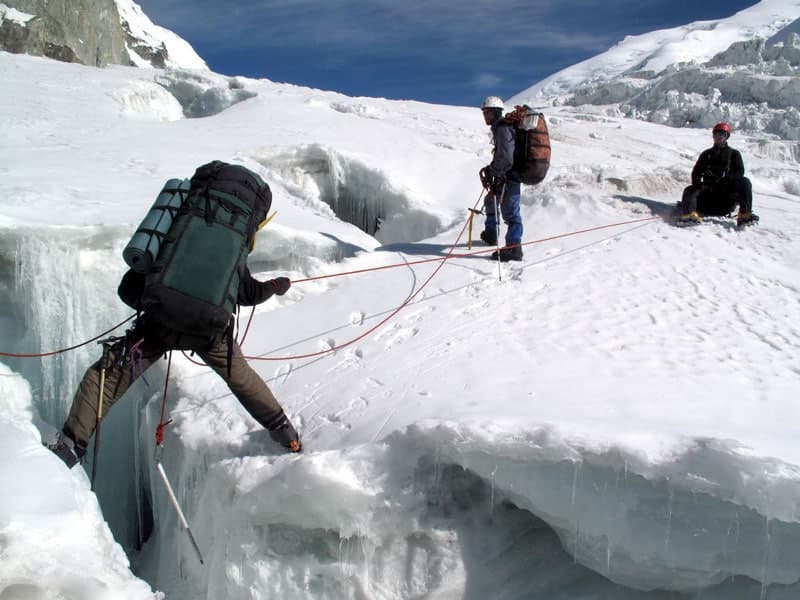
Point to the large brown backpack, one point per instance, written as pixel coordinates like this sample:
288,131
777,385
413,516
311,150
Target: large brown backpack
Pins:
531,144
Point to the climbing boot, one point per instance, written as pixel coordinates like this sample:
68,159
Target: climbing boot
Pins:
65,449
489,237
507,254
743,219
286,435
690,218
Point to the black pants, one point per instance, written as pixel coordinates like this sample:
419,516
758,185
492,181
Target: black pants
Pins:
720,199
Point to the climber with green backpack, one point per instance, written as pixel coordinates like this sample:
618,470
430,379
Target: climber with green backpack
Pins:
188,274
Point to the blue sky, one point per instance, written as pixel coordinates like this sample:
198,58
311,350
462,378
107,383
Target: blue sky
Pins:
441,51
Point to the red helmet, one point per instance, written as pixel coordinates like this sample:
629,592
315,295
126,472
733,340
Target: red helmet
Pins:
724,127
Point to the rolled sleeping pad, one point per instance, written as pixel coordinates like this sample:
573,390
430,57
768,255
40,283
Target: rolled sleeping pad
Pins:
142,249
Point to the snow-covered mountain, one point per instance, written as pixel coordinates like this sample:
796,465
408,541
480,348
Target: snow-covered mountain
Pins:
92,32
150,45
612,418
744,69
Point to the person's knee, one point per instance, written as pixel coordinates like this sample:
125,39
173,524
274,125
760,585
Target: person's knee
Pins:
690,195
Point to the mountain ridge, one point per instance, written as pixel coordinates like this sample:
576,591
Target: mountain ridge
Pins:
743,69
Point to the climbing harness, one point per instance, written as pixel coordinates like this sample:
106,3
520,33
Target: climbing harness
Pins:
137,355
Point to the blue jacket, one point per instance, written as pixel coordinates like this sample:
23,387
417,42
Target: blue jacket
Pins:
504,140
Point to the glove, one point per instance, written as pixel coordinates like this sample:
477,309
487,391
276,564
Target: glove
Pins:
280,285
486,179
498,183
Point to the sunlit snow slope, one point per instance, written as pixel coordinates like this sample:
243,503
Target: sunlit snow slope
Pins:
611,418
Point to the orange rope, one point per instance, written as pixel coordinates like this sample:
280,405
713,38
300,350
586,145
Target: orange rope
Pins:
477,252
442,260
391,315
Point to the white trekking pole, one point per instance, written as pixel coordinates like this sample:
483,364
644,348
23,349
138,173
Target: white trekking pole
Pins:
163,474
184,522
497,216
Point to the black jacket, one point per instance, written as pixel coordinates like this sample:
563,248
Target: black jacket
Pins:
251,290
717,164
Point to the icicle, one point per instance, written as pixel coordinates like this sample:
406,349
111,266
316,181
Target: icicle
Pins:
765,567
669,517
491,498
575,480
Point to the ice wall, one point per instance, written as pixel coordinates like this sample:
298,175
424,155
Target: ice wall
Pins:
450,511
356,193
58,289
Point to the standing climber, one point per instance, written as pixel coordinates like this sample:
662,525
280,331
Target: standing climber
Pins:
502,184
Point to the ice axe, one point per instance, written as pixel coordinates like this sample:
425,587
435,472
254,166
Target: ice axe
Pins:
107,344
472,213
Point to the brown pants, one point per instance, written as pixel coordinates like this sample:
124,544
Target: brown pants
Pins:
243,381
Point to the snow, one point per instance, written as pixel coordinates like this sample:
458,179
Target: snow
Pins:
55,542
655,51
181,54
12,14
611,418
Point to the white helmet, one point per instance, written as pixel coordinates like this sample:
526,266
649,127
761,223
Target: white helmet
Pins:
493,102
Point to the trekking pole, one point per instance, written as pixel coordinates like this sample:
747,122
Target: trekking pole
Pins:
103,366
497,216
184,522
159,451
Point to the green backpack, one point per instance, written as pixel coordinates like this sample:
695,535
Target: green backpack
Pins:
193,284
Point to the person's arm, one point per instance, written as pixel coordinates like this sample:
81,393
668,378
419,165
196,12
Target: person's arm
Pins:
503,158
699,169
736,170
130,289
252,291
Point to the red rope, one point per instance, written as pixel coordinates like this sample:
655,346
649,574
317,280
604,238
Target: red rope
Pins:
475,253
161,423
441,260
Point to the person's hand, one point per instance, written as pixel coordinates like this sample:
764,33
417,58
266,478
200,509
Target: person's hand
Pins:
486,179
498,186
280,285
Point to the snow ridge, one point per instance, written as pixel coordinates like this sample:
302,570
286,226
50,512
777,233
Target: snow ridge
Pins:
744,69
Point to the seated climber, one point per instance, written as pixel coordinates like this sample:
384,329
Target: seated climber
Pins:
718,184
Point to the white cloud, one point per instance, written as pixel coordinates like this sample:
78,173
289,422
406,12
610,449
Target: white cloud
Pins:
486,80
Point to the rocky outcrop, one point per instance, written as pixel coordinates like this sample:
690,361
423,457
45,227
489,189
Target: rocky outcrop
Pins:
82,31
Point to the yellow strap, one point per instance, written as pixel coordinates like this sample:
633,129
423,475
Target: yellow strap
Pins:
266,221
